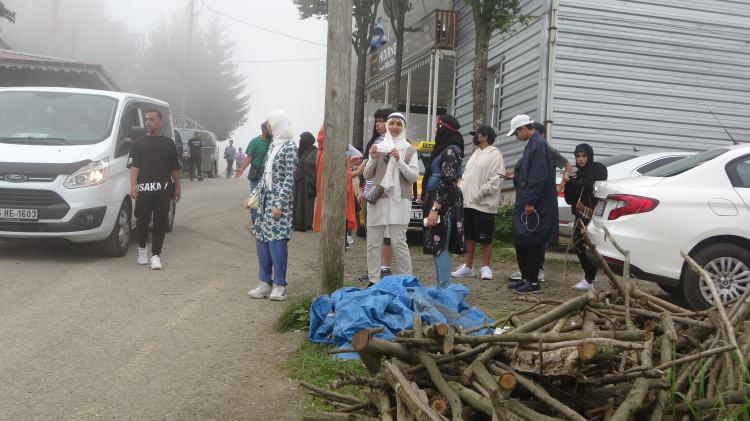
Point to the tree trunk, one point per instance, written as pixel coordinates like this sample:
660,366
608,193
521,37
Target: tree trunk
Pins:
358,131
479,82
396,87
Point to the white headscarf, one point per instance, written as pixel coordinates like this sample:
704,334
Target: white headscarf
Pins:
399,142
281,129
391,183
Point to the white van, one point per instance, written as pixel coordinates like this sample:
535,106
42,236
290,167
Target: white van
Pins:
63,163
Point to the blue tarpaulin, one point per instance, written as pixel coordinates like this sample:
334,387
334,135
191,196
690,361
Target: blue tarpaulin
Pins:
391,303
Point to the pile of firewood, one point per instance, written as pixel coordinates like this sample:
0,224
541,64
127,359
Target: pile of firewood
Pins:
620,354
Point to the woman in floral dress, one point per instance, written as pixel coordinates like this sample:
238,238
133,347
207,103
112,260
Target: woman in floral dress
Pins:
443,200
273,226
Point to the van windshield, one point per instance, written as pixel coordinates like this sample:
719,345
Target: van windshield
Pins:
55,118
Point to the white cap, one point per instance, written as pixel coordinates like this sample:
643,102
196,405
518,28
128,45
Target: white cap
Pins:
519,121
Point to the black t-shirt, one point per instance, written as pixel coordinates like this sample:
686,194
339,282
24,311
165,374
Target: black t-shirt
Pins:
195,145
156,158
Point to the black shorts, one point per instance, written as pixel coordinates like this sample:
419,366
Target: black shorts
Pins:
479,227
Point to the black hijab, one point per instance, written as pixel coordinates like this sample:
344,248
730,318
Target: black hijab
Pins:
306,142
582,186
447,135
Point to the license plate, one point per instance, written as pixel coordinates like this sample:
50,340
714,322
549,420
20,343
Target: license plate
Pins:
20,214
416,214
599,211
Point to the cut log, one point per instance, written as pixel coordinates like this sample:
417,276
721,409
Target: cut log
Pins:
410,396
590,351
332,416
472,398
382,401
653,314
371,349
513,337
725,399
327,394
638,392
508,382
666,354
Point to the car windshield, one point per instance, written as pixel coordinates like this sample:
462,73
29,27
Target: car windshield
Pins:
686,164
54,118
615,159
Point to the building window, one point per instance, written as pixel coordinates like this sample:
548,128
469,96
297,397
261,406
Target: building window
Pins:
496,96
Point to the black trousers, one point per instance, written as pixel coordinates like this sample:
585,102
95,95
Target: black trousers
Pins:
195,162
158,206
230,167
588,266
529,259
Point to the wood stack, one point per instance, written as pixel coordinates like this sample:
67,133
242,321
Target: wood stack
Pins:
621,354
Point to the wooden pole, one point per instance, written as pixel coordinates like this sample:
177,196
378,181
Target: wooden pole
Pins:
338,87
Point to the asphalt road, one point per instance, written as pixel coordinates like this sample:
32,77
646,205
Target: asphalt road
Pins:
89,337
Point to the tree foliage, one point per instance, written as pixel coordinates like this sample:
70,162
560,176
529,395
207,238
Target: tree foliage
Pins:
489,16
6,13
396,11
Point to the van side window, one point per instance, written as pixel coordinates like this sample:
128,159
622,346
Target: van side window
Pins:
130,118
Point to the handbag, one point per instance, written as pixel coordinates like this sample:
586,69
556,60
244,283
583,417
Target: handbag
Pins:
254,173
374,194
253,201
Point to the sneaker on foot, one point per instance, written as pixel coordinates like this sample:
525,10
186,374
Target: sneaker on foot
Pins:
528,288
540,277
142,256
278,293
385,271
155,262
349,239
515,276
583,285
263,290
463,272
515,284
486,273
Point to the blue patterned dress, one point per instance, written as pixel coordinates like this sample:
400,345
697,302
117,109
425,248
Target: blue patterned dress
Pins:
278,196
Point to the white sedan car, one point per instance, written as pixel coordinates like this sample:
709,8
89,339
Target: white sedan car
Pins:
618,166
701,205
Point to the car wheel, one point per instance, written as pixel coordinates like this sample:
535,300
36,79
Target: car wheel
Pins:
729,268
170,217
116,245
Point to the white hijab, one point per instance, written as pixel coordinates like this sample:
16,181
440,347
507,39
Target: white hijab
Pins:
391,183
281,129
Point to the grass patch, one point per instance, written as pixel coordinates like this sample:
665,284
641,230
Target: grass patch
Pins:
313,364
296,315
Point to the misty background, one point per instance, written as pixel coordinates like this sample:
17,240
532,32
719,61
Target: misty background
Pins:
238,72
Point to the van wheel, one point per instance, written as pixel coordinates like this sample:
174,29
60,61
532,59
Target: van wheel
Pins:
729,268
116,245
172,211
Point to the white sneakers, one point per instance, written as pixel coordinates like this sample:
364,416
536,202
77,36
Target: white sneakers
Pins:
142,256
583,285
463,272
278,293
155,262
144,260
486,272
516,276
263,290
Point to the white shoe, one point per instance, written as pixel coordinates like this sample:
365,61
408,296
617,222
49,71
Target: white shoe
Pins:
263,290
540,277
142,256
463,272
155,262
583,285
516,276
486,273
349,240
278,293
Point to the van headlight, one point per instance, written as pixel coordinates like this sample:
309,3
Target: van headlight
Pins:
89,175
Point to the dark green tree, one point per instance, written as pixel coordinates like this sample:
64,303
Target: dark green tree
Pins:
489,16
6,14
396,11
363,14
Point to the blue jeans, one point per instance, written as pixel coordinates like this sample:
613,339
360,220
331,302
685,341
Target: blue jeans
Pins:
443,260
272,259
253,212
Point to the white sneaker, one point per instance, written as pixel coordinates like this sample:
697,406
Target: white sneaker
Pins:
516,276
278,293
486,273
540,277
142,256
349,239
263,290
155,262
463,272
583,285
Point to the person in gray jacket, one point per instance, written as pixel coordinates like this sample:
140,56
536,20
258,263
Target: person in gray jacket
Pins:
482,180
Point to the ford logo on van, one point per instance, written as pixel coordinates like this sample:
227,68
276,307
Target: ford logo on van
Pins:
15,178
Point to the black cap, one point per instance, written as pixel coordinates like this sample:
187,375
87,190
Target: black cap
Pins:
485,130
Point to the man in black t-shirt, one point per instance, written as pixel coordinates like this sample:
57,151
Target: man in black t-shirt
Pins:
194,154
154,183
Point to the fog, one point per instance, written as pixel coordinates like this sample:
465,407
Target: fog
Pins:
113,32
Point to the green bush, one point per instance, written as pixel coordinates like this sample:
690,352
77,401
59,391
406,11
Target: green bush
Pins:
296,315
503,226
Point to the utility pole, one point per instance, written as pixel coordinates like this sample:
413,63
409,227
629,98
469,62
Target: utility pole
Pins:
338,89
54,27
186,70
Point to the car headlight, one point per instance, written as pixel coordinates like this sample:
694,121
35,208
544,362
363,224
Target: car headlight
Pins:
89,175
